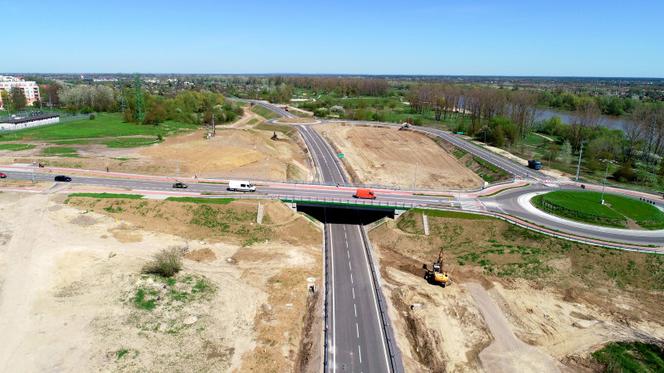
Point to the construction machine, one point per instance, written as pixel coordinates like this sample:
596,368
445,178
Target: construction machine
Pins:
436,275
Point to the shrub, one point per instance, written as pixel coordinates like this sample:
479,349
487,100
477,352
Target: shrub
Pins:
625,173
166,263
92,117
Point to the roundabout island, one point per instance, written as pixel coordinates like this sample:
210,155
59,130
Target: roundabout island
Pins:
609,210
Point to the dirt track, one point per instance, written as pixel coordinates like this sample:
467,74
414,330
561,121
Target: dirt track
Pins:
507,353
403,158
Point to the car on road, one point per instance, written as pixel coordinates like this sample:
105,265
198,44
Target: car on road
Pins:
364,194
3,176
535,164
180,185
62,178
240,186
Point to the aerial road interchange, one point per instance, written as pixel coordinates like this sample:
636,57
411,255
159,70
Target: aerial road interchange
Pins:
358,332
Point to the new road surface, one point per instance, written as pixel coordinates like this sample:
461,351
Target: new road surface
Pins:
358,331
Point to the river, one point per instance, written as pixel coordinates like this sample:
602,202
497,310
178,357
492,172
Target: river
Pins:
608,121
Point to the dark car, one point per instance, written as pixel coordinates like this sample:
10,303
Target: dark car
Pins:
535,164
180,185
2,176
64,178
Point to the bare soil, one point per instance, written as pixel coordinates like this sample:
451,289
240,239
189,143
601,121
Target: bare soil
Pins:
239,150
405,159
562,299
68,281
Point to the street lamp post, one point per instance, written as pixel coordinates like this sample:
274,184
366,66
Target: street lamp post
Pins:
606,173
578,165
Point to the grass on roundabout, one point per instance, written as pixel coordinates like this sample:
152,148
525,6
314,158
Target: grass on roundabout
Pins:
585,206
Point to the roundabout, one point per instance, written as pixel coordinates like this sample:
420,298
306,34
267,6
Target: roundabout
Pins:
518,202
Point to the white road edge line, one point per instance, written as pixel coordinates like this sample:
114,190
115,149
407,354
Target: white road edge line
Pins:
375,302
334,324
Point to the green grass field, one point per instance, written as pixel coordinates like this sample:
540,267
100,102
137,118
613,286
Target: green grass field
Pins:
263,112
60,151
586,207
211,201
107,126
16,147
106,195
630,357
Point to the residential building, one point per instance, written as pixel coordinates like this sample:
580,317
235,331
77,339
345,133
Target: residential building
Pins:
30,89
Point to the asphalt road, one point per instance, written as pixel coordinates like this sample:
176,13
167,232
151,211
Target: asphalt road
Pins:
356,332
508,202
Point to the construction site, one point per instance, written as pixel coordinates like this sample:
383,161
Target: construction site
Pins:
258,287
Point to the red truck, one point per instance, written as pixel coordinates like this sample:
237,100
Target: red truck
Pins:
364,194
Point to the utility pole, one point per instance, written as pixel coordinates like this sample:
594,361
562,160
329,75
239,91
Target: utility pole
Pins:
578,165
214,127
140,110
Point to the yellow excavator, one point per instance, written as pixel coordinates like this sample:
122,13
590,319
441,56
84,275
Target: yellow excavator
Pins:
436,276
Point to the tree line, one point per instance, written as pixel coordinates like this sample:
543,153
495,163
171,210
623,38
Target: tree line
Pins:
186,106
608,105
504,118
339,86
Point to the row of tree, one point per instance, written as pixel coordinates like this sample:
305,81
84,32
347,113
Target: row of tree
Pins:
88,98
339,86
480,104
15,100
608,105
188,107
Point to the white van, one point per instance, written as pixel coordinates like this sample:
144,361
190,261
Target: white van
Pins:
241,186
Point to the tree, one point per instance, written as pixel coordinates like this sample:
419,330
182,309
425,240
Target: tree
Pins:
156,113
586,117
552,151
565,154
7,101
18,98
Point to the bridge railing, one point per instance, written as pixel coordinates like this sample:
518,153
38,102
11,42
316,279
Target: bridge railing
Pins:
345,202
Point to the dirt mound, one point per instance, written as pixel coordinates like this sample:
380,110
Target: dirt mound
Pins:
402,158
201,255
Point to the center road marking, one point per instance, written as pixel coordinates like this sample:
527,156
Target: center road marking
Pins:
359,350
357,330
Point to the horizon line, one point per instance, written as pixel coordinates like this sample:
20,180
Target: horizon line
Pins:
340,74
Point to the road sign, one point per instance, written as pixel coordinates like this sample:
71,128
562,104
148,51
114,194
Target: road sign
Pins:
341,155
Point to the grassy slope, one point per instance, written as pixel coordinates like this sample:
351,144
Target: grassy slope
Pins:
16,147
630,357
589,209
263,112
504,250
106,195
106,125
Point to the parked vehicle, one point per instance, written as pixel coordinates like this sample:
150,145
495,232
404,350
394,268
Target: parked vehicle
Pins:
535,164
240,186
180,185
3,176
62,178
364,194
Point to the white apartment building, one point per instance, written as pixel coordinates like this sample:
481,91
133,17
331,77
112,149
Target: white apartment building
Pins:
30,89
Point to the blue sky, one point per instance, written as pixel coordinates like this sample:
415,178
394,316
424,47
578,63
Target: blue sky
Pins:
465,37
